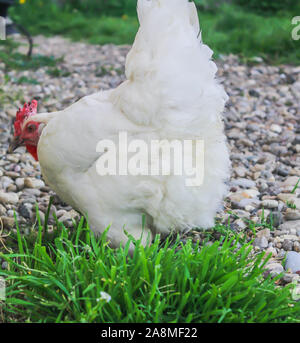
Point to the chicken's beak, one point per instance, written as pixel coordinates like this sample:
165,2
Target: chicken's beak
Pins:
14,144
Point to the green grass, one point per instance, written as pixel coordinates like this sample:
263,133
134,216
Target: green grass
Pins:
248,34
71,276
227,29
296,186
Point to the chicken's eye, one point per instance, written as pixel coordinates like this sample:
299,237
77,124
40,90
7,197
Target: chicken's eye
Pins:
31,128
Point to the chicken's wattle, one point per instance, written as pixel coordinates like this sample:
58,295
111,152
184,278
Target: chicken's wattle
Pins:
32,150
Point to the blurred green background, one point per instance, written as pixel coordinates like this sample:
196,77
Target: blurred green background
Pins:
246,27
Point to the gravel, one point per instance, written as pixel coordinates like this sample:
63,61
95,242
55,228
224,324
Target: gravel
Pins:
293,261
262,123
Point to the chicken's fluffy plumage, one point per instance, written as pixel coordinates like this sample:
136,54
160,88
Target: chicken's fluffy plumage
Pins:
171,93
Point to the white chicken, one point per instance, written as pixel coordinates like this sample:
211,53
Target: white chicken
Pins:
171,93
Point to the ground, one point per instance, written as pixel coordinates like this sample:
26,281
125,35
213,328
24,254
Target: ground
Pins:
262,123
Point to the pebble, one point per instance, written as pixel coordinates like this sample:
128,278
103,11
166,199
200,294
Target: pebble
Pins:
243,183
8,198
240,225
274,269
30,182
287,245
240,171
276,218
241,214
286,197
275,128
272,251
261,242
269,203
263,233
291,214
296,246
289,225
8,222
25,211
2,210
288,278
292,261
290,181
6,181
19,183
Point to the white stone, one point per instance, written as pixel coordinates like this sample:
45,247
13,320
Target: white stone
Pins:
31,182
8,198
268,203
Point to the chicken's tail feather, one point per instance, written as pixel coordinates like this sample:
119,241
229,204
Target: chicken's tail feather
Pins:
171,78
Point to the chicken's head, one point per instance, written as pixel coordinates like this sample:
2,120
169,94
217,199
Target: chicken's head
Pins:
27,132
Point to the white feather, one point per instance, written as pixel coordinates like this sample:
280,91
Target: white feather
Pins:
171,93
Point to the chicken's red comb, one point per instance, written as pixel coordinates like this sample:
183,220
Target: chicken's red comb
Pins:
27,111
